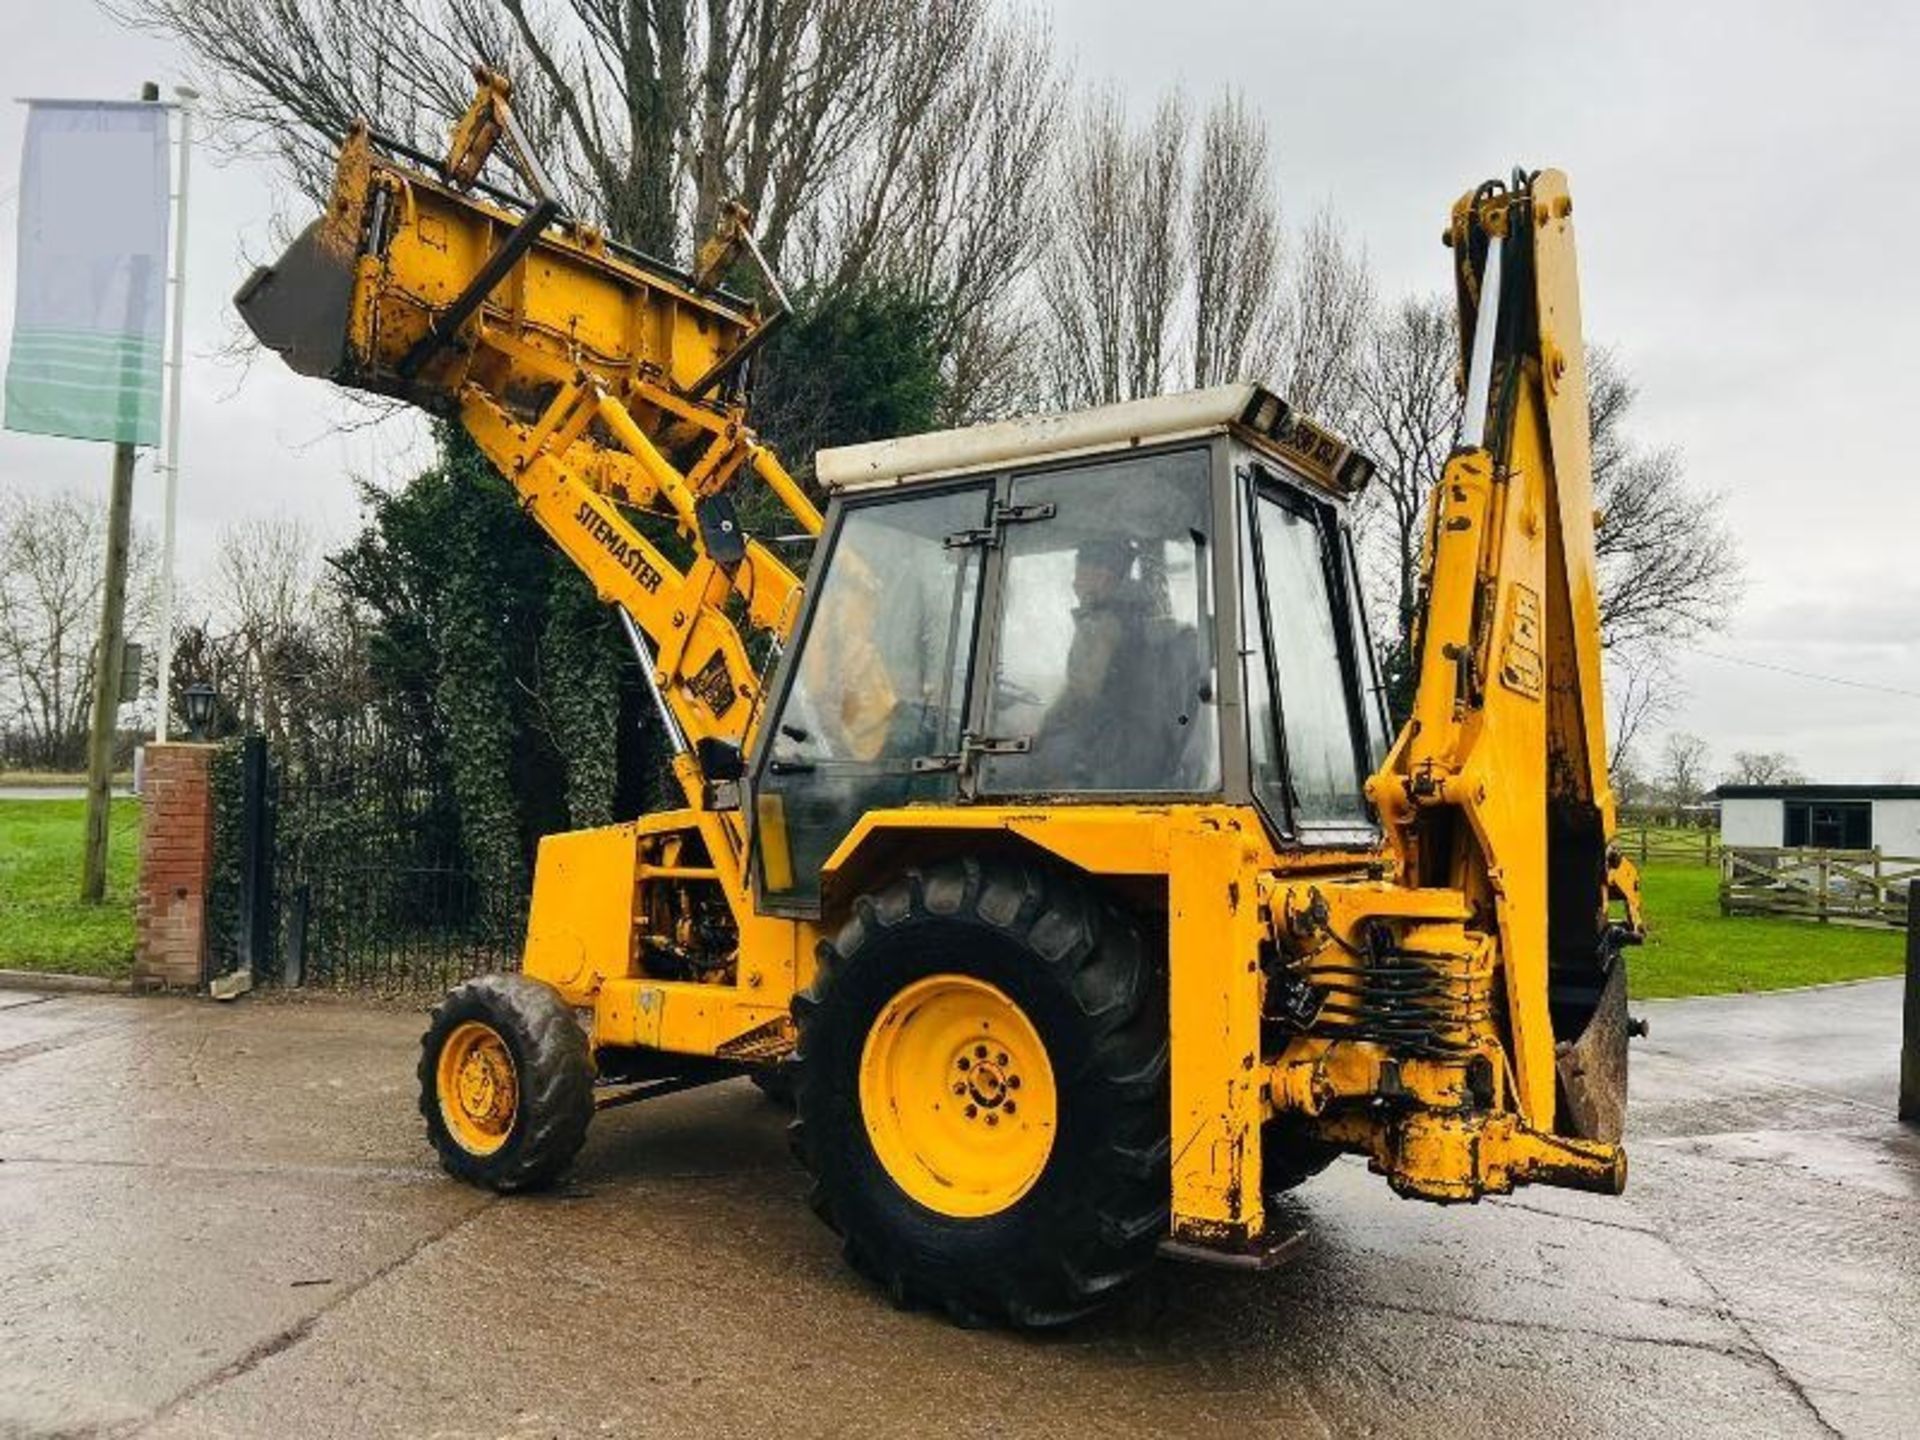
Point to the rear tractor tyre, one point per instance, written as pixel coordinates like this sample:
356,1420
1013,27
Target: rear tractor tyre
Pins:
506,1083
982,1093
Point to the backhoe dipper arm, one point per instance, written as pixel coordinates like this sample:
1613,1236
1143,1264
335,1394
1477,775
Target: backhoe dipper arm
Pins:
1498,787
601,383
1462,1018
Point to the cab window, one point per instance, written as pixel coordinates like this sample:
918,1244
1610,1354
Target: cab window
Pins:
880,679
1304,741
1103,661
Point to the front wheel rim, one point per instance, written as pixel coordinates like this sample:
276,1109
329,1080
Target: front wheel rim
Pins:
478,1087
958,1096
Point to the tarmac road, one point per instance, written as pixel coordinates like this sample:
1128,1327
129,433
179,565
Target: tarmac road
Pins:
223,1221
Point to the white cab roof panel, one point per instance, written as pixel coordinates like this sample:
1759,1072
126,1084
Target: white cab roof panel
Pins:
1042,437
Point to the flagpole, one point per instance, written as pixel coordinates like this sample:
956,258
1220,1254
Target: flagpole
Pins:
186,96
108,656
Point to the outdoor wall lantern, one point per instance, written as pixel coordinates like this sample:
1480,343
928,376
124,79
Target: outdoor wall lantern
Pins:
198,699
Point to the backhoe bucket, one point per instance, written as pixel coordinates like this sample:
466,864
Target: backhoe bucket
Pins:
300,306
1592,1069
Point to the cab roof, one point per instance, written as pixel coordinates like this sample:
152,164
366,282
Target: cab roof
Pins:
1252,412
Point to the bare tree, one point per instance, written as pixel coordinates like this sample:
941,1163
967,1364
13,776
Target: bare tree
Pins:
1669,569
1405,413
270,609
1168,264
1236,246
1157,263
1684,764
1764,767
1642,690
1631,787
266,574
52,567
956,225
1324,320
1089,277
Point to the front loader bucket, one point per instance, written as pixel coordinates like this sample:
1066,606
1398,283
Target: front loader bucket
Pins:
300,306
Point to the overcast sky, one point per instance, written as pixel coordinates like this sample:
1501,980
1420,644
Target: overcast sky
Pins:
1747,208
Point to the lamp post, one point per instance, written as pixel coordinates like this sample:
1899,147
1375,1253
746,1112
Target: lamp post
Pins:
197,699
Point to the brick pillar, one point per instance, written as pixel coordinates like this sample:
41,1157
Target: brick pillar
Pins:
176,867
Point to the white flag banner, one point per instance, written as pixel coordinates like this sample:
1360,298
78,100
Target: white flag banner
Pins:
90,298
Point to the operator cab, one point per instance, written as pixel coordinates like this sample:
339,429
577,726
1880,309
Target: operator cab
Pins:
1153,602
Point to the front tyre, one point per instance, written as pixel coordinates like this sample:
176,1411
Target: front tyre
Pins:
982,1097
506,1083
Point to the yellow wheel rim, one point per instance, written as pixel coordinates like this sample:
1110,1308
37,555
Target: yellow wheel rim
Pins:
478,1087
958,1096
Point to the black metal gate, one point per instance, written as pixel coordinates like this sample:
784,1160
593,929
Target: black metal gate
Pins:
347,870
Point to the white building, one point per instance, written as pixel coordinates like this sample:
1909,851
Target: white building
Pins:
1832,817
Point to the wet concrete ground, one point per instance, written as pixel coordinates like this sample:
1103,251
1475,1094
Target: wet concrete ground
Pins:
223,1221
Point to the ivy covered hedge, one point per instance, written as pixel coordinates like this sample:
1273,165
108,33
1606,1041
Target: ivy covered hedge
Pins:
223,898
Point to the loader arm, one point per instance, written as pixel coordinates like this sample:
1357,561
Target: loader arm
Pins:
603,384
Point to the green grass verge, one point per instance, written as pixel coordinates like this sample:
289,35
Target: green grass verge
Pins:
1692,949
43,925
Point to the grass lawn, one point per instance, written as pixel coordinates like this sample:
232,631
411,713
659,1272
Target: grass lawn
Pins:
43,925
1692,949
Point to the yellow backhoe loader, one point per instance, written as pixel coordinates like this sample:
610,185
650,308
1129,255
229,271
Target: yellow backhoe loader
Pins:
1049,844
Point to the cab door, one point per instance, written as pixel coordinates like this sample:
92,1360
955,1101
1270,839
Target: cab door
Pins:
878,681
1101,649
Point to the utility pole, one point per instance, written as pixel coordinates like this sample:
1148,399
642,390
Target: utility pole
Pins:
106,677
107,659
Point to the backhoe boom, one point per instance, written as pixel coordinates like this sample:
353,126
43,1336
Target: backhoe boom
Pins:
1496,791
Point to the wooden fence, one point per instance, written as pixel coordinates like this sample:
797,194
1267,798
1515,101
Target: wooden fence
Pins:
1668,844
1861,886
